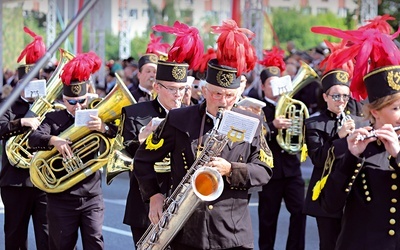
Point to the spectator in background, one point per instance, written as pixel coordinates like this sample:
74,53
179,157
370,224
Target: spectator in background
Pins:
110,81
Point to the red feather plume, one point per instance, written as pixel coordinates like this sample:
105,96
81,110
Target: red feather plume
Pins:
380,23
330,62
187,47
370,48
33,51
80,68
202,65
234,47
155,45
274,57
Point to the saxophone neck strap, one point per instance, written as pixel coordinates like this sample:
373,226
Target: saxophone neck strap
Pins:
200,141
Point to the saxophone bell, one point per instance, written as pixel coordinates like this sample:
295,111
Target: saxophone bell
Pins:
207,183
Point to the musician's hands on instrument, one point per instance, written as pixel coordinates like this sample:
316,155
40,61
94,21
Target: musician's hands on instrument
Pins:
96,124
156,207
33,122
356,146
281,122
62,146
221,165
388,136
347,128
148,129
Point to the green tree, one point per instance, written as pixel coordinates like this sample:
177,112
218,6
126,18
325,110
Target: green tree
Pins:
297,28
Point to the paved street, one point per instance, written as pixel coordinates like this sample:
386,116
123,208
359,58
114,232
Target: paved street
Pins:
118,235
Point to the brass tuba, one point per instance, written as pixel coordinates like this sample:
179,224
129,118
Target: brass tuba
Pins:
51,174
292,138
16,146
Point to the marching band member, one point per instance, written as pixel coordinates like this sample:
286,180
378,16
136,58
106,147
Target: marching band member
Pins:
364,182
224,223
321,132
138,123
21,199
81,206
286,182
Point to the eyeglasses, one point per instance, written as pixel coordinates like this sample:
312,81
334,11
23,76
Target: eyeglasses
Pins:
174,90
218,96
338,97
74,102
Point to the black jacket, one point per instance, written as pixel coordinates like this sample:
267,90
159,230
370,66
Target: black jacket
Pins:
219,224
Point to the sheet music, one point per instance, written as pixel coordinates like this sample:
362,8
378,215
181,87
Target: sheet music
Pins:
82,117
35,88
281,85
238,127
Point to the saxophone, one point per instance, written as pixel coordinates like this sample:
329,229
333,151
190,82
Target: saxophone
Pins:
199,184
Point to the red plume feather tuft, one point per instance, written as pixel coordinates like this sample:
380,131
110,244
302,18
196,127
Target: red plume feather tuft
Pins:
332,61
234,47
370,48
187,47
33,51
380,23
155,45
202,65
274,57
80,68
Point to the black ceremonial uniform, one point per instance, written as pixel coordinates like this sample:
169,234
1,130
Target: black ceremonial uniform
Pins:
21,199
219,224
321,133
85,197
287,184
136,117
140,95
371,207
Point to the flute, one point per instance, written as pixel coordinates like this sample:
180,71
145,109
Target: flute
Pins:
372,134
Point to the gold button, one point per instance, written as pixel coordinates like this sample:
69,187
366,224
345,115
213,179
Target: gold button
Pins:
210,207
394,200
362,175
186,167
353,177
368,198
394,187
398,165
183,153
366,192
391,232
393,210
392,221
351,184
347,190
356,171
358,164
365,187
394,176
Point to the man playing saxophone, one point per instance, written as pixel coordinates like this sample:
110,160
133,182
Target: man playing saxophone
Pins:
224,223
81,206
21,199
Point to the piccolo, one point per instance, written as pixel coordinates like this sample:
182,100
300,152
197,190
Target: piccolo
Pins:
372,134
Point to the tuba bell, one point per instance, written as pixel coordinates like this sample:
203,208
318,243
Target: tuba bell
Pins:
16,146
50,173
118,161
292,139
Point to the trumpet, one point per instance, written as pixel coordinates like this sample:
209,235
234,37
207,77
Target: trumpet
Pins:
372,134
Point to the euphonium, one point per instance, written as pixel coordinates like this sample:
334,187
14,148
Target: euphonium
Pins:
199,184
292,138
51,174
16,146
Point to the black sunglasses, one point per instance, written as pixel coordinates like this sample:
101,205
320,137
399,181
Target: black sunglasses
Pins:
74,102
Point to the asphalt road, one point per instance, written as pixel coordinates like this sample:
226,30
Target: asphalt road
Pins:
118,236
